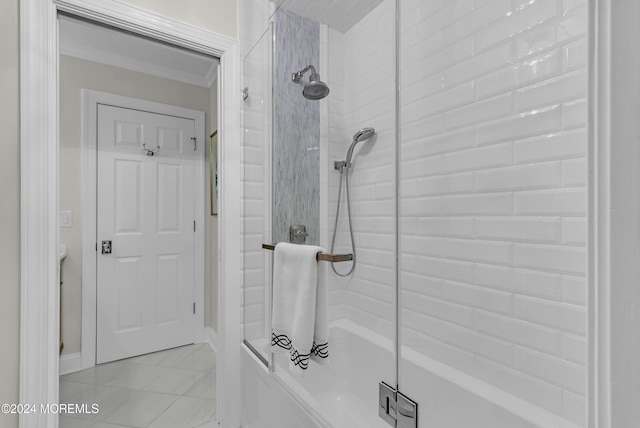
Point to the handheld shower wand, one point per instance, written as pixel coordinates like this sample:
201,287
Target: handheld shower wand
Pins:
344,167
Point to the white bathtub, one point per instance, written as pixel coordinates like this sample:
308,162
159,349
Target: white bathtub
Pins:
344,394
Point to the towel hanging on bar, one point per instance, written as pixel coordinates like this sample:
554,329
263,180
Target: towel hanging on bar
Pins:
300,316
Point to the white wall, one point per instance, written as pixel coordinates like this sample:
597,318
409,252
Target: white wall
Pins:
493,198
10,208
75,75
219,16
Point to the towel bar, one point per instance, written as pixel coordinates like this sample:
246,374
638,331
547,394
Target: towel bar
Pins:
321,256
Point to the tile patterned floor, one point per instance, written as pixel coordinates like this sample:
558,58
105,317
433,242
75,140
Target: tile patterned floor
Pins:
175,388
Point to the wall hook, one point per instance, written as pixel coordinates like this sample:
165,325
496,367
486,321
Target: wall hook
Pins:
150,152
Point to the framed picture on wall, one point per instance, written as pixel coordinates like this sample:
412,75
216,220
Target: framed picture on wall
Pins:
213,161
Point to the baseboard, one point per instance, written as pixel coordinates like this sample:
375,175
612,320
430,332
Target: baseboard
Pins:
70,363
211,337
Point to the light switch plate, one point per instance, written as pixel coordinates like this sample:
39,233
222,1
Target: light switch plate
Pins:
65,219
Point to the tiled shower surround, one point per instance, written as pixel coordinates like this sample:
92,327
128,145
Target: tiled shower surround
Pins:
296,138
362,80
491,171
492,198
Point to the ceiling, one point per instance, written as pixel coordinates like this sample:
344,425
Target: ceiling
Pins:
338,14
92,42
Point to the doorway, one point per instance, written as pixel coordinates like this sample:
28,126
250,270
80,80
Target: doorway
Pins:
95,58
40,188
155,294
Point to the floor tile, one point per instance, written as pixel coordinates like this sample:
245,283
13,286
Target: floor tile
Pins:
174,388
67,422
98,375
106,425
69,390
108,400
204,345
186,412
137,376
139,358
211,424
205,387
175,381
168,358
139,408
202,359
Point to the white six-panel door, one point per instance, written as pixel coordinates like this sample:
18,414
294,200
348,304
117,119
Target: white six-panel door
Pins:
145,287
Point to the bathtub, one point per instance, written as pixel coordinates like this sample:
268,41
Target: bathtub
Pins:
344,393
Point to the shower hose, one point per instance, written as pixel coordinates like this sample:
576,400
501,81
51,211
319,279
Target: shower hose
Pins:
344,171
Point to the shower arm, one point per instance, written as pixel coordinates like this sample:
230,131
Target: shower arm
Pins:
297,77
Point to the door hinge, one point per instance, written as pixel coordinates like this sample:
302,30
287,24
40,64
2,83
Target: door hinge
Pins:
96,247
194,308
194,142
395,408
194,225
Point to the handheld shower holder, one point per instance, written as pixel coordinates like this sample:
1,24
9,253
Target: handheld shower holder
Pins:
340,165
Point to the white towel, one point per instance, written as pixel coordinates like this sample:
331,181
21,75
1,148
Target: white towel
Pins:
300,320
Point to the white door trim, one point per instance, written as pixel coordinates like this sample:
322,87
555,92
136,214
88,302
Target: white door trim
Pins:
90,101
39,315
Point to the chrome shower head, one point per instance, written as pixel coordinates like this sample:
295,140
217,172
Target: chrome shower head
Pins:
362,135
316,89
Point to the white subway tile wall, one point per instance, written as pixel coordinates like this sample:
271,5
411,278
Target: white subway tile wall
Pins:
492,193
361,75
492,197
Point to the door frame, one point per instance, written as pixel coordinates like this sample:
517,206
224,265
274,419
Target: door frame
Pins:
90,101
39,193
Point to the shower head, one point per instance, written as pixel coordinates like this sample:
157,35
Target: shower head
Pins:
316,89
362,135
